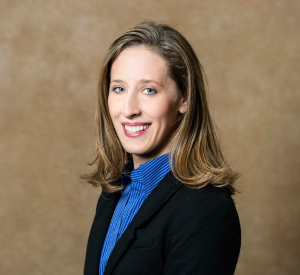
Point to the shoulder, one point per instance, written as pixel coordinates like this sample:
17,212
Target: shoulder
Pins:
208,212
207,202
105,199
204,195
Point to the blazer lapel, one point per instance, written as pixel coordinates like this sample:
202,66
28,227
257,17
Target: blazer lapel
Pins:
98,232
159,196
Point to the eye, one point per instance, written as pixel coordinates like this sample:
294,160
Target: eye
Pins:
118,90
150,91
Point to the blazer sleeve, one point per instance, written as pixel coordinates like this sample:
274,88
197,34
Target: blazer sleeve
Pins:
207,238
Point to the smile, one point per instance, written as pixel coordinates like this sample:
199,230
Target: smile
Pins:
135,130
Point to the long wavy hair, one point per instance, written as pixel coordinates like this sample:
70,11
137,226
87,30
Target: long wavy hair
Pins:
195,157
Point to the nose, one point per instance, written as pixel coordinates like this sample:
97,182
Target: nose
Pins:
131,105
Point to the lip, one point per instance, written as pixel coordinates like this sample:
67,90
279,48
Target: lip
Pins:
137,134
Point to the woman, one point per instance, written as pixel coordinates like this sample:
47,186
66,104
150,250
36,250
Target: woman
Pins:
166,205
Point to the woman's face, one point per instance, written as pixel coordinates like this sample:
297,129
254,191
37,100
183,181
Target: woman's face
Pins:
143,103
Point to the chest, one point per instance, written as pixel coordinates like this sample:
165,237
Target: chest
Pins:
149,247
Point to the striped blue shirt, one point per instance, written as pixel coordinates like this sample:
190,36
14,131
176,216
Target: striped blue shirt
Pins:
139,185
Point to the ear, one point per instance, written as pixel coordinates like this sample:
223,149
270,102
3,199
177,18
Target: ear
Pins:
182,105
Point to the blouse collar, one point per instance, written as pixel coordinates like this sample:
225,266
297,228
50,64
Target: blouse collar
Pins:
149,174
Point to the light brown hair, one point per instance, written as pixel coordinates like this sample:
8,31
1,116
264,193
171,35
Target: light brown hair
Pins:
195,157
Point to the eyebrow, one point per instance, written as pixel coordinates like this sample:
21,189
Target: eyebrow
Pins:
141,81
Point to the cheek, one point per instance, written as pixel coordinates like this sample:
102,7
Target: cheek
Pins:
164,111
112,107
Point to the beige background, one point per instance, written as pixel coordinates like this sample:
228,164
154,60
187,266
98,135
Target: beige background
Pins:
50,54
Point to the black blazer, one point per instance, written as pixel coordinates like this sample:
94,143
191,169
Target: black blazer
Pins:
177,230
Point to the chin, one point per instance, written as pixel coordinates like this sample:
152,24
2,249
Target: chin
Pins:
136,150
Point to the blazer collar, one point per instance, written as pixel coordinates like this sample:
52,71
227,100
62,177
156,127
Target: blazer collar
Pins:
105,209
160,195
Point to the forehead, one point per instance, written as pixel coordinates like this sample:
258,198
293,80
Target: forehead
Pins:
137,63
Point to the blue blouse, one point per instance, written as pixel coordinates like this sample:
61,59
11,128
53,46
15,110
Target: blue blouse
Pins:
139,185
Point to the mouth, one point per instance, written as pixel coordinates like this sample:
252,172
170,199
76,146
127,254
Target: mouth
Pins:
135,130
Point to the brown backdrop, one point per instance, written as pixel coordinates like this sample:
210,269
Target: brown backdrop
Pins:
50,54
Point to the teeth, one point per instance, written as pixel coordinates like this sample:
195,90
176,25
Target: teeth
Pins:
135,129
